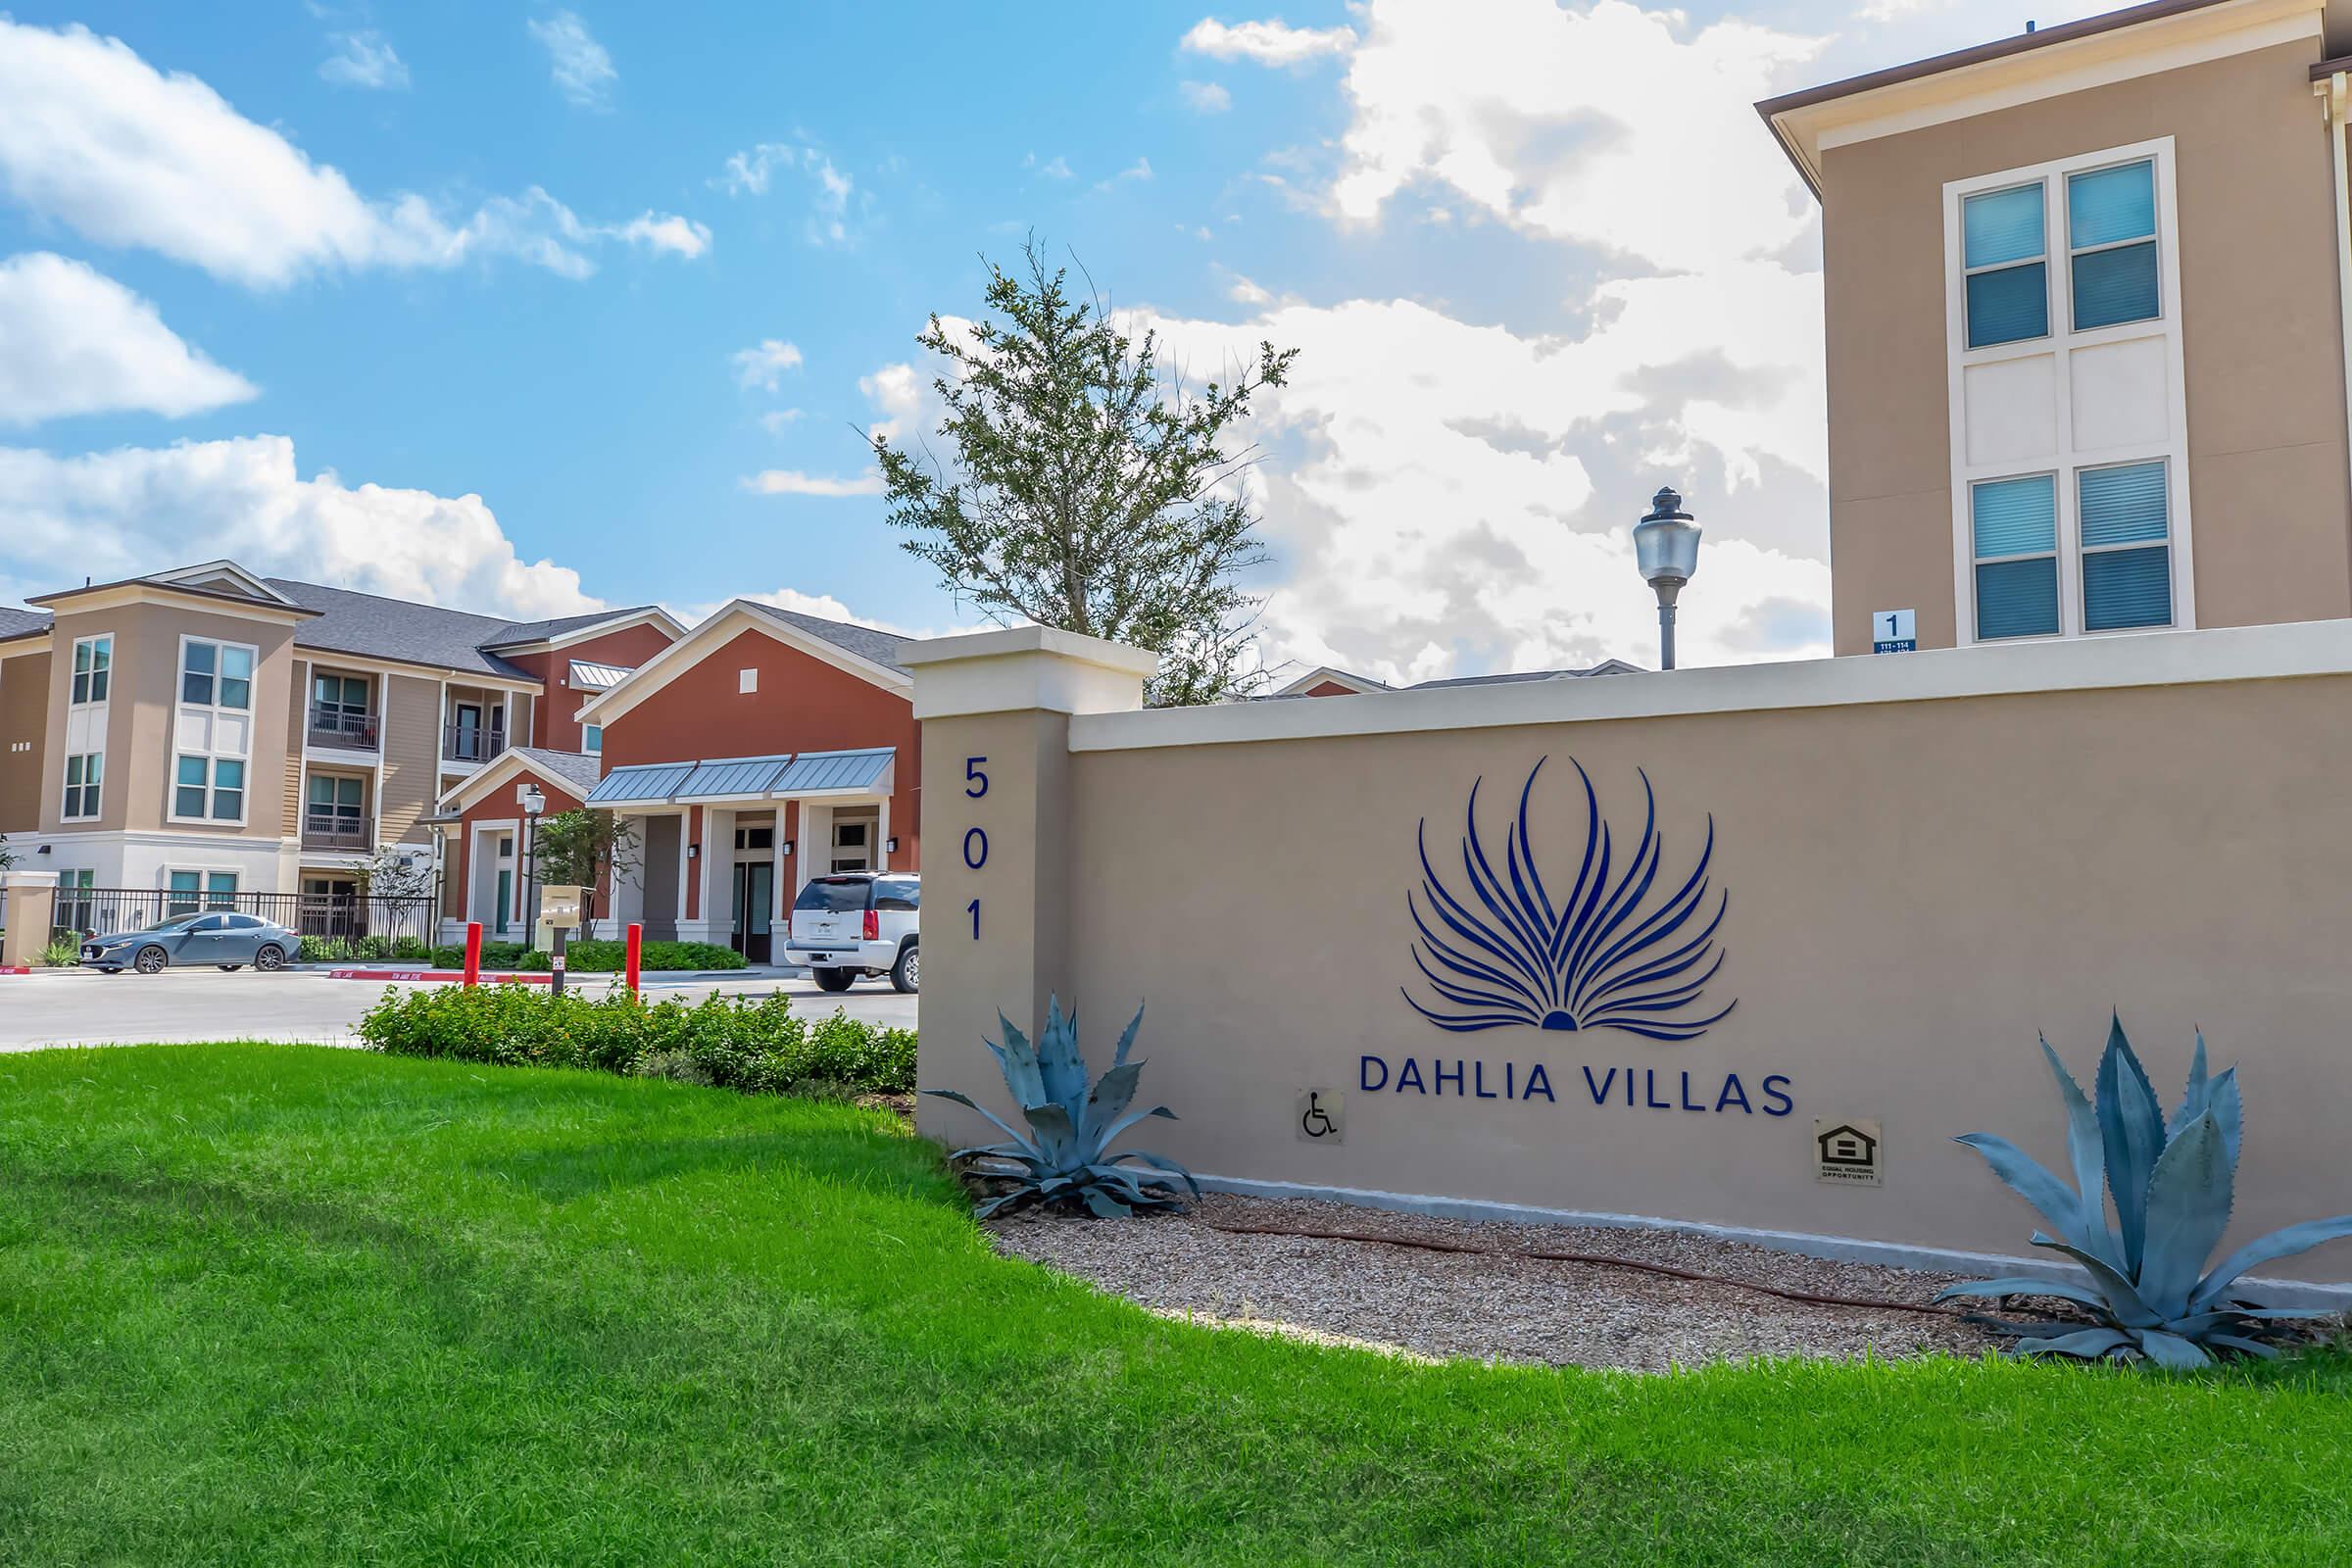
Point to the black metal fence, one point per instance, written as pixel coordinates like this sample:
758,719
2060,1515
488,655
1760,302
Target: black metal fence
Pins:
83,912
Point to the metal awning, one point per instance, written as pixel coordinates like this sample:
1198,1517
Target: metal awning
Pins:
732,777
869,771
588,676
646,784
861,772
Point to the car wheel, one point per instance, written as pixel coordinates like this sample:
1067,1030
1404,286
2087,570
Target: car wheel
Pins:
908,974
228,969
150,960
271,959
832,979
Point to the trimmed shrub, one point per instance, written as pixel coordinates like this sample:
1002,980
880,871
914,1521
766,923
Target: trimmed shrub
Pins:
758,1047
326,950
64,952
408,949
607,957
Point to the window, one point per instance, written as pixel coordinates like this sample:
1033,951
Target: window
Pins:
747,680
592,739
834,894
335,806
2127,555
208,788
902,893
93,666
755,838
2014,528
215,675
84,775
76,909
245,922
191,891
2111,244
2002,258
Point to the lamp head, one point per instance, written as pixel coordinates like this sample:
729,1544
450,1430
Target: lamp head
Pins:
534,801
1666,542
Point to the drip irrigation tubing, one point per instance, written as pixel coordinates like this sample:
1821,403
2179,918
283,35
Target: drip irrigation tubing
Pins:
1601,1259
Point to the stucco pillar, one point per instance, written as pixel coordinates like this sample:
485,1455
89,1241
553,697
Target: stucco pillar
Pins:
32,913
996,710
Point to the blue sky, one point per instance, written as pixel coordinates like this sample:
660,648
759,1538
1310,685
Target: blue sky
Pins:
295,284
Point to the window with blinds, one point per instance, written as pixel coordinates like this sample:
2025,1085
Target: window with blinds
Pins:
2014,523
2111,243
2126,526
2004,253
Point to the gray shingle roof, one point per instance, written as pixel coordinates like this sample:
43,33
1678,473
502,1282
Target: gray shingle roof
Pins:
575,768
1607,666
878,647
370,624
16,622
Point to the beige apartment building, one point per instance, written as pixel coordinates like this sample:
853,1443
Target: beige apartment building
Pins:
207,732
2086,290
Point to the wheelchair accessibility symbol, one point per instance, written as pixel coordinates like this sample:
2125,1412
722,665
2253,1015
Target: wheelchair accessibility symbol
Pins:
1321,1116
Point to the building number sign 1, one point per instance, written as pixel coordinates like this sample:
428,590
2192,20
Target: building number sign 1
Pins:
975,839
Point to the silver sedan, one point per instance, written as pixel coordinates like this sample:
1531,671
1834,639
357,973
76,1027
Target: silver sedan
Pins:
224,940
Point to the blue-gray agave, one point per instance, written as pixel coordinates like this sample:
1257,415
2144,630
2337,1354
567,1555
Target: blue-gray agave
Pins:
2149,1289
1072,1123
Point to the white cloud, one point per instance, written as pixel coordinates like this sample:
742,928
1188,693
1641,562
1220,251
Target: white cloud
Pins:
665,231
1057,168
1601,126
1204,97
1431,492
759,368
898,392
1268,43
94,137
750,172
774,421
134,509
793,482
1138,170
75,341
363,59
577,64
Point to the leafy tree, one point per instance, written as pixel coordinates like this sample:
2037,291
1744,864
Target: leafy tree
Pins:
390,874
575,847
1089,488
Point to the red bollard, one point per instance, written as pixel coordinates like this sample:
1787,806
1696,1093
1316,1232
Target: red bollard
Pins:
474,953
636,951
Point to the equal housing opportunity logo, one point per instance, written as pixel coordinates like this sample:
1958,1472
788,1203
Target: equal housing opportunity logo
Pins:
1626,944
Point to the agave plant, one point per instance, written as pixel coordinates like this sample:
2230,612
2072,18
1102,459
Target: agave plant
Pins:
1072,1123
2148,1289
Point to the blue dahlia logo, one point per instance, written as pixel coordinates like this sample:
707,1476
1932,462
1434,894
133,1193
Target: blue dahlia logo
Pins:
1611,954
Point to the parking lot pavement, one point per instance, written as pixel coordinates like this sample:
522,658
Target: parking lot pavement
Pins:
82,1007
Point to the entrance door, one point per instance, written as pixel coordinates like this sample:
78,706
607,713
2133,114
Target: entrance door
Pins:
755,908
466,737
505,898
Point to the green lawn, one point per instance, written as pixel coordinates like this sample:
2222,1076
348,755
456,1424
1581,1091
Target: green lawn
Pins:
267,1305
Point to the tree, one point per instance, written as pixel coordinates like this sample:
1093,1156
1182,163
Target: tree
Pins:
390,874
575,847
1090,489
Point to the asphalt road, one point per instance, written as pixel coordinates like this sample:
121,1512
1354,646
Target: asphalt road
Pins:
82,1007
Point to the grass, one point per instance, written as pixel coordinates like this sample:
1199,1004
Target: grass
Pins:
269,1304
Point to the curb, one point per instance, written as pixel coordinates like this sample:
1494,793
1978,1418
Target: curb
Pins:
504,977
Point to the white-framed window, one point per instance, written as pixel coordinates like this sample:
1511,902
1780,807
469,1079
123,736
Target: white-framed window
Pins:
2069,438
747,680
85,776
592,739
93,668
209,789
191,891
75,910
212,731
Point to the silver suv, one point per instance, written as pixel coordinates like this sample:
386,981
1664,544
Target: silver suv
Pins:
858,923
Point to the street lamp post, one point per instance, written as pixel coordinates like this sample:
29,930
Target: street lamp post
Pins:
1666,549
534,801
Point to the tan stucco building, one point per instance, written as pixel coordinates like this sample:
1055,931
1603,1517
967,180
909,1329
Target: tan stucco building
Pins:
2086,291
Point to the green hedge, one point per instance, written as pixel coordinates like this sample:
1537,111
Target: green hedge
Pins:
759,1046
595,957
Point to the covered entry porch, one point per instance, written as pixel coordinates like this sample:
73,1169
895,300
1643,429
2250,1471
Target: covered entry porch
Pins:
725,844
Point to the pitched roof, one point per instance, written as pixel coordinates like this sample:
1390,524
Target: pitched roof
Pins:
1607,666
539,631
879,647
21,622
575,768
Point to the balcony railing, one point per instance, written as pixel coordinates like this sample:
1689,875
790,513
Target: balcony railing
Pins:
469,742
335,727
326,831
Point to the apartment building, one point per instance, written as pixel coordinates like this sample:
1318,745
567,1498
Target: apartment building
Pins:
207,731
2086,290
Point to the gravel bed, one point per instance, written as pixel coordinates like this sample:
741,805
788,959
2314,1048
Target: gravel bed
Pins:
1450,1305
